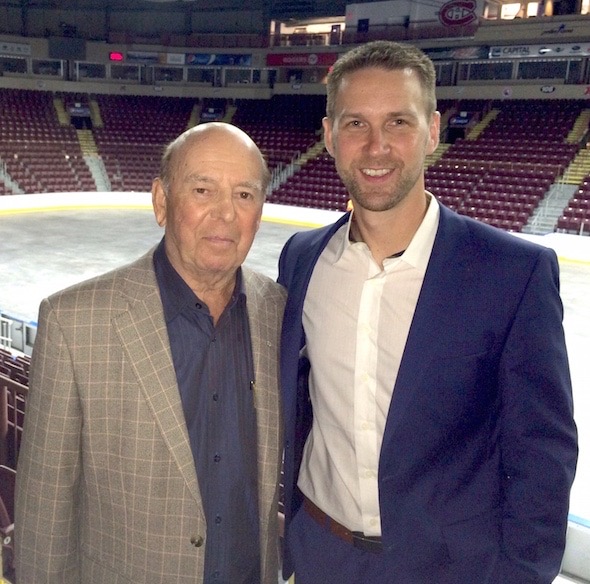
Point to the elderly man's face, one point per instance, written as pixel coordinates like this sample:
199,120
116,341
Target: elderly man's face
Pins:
213,208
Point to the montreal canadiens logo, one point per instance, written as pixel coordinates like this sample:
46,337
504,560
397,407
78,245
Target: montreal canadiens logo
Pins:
458,12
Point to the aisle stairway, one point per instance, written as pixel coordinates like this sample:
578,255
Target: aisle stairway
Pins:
578,169
60,110
544,218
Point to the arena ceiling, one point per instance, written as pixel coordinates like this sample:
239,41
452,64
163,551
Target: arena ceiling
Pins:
276,9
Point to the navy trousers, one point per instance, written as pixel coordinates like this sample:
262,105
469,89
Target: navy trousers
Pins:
320,557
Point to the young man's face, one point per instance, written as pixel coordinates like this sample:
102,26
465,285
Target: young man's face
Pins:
380,136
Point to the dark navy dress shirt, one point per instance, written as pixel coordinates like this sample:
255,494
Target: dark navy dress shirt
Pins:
214,370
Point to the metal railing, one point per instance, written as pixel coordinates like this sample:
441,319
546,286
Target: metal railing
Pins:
5,332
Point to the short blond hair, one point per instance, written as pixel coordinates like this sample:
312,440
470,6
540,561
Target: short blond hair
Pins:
386,55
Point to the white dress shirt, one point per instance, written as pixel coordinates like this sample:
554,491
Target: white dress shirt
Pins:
356,318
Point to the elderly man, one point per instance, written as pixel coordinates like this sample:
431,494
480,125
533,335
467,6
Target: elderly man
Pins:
151,448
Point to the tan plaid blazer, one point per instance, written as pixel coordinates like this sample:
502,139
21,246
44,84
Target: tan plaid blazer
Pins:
107,491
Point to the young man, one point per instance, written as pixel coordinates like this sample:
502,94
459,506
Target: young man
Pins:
428,409
151,448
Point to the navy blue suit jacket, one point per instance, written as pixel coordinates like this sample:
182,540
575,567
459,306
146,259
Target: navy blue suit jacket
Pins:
480,446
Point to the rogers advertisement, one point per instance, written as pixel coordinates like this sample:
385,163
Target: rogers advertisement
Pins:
301,59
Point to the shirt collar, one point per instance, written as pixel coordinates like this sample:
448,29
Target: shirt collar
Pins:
418,251
176,294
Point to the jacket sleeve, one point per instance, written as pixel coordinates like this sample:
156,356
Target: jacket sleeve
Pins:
46,512
538,437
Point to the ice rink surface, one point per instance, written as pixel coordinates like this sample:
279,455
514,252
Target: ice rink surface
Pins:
48,242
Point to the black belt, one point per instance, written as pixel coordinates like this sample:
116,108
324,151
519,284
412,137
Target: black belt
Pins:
356,538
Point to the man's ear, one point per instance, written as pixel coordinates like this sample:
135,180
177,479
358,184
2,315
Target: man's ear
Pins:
327,124
434,131
159,201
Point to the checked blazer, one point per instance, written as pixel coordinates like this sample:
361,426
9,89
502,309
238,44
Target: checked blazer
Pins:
107,491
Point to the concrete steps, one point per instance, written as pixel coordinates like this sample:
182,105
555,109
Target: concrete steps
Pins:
549,210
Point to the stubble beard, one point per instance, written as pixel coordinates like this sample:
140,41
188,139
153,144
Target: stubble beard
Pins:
379,199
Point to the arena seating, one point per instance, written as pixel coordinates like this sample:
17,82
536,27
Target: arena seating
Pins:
7,495
15,366
284,127
498,175
40,154
315,185
134,131
504,196
576,216
501,175
14,381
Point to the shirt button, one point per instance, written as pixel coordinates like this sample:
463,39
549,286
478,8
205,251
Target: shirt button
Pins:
218,519
217,458
215,397
197,540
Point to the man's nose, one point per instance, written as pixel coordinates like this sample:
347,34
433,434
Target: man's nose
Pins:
224,206
378,141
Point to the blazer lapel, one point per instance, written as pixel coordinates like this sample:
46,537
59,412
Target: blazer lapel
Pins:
436,305
306,253
264,321
307,258
265,403
144,337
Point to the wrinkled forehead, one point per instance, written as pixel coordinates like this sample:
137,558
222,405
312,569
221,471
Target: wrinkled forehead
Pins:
216,146
220,157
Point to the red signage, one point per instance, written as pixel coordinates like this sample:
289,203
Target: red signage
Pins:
458,12
301,59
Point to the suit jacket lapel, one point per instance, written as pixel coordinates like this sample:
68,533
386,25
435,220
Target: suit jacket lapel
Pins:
263,336
295,278
436,304
297,281
264,322
144,337
307,259
263,399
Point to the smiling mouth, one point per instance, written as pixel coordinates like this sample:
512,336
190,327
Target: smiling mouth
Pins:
377,172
